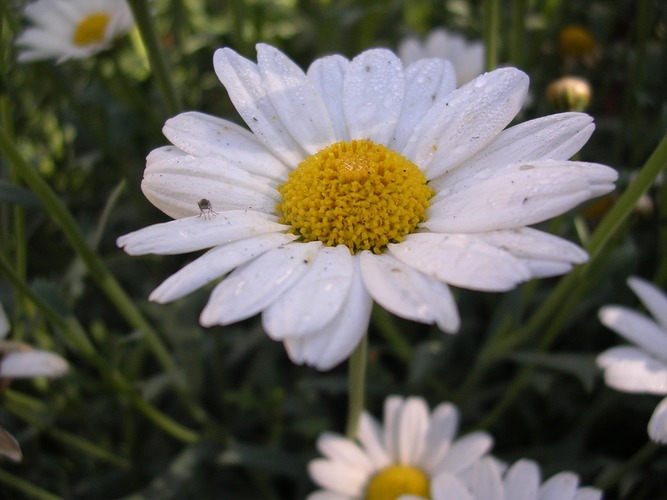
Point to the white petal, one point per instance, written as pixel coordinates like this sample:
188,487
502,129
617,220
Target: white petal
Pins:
196,233
315,299
636,328
463,260
426,82
465,121
632,370
653,298
299,106
408,293
519,194
253,287
522,481
327,75
554,137
442,429
466,451
411,431
246,90
340,449
215,263
372,95
175,182
486,482
587,494
337,477
393,407
32,363
657,426
370,437
326,495
559,487
204,135
339,338
447,487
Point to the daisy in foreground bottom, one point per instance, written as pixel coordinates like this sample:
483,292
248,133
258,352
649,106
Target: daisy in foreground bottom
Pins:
361,181
416,456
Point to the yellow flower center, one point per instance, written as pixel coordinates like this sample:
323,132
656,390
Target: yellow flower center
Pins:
397,480
358,193
91,29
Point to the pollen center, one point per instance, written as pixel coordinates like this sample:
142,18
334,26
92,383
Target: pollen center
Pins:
397,480
358,193
91,29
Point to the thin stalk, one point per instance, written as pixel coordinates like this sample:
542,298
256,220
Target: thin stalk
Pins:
491,28
399,346
105,280
356,387
158,61
518,34
30,490
642,455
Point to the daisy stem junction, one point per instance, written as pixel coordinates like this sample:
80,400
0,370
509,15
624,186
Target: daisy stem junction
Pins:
105,280
356,387
158,61
554,311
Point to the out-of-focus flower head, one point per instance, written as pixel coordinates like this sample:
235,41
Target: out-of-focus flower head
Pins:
577,44
467,57
569,93
72,29
642,367
19,360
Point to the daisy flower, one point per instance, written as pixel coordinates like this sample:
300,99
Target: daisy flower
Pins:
19,360
641,368
488,479
361,181
401,458
467,57
72,29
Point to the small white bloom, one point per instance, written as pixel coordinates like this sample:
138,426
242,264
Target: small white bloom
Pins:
361,180
401,457
487,479
467,57
72,29
641,368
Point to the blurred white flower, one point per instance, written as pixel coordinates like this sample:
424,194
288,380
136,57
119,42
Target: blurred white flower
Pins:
488,479
400,458
19,360
641,368
467,57
72,29
362,181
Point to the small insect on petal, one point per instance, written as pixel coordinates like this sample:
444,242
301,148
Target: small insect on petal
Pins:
206,209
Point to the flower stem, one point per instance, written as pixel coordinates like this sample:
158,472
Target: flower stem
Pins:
644,453
105,280
356,387
142,16
552,314
491,27
26,487
518,36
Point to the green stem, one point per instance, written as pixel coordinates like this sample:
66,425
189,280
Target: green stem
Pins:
144,20
553,312
518,35
356,387
26,487
383,322
491,27
645,453
105,280
78,337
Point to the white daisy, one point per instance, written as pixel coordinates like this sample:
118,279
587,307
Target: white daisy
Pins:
402,457
361,181
467,57
72,29
487,479
641,368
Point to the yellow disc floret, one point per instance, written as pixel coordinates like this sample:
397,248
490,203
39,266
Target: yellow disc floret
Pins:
91,29
396,480
358,193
